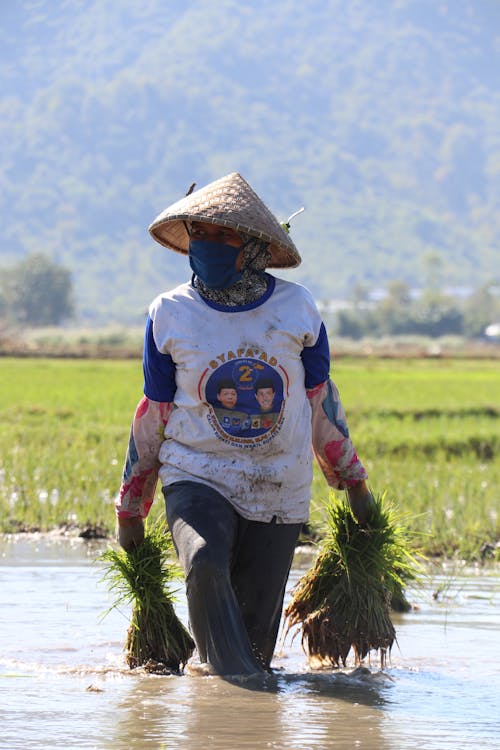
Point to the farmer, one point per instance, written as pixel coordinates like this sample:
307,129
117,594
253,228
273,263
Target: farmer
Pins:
237,494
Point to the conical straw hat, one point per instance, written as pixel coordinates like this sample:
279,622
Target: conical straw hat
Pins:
229,202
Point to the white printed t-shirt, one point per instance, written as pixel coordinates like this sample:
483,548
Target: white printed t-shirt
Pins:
241,421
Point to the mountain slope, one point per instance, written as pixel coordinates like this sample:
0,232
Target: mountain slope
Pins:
381,118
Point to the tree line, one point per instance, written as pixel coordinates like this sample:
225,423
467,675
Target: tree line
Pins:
37,291
431,312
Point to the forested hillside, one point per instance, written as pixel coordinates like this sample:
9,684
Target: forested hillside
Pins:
381,117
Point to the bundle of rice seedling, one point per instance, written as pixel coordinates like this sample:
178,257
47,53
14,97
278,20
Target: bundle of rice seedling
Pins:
156,639
343,601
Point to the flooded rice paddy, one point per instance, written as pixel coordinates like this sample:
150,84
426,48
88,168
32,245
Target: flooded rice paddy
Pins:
64,683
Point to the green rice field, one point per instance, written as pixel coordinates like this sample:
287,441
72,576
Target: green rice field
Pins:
428,431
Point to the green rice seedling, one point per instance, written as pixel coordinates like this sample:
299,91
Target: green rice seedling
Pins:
156,639
343,601
428,426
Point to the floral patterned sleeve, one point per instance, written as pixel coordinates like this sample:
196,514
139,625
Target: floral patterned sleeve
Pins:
332,445
140,473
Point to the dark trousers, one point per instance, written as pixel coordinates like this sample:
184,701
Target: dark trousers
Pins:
236,572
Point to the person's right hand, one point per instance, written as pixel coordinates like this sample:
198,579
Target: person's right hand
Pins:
361,502
130,532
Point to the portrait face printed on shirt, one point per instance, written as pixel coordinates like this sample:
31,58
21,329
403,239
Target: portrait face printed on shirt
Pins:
246,398
227,396
265,397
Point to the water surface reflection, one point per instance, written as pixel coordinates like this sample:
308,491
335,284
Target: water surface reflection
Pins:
292,711
64,683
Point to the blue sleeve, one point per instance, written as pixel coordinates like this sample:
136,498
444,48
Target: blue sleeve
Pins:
159,369
316,360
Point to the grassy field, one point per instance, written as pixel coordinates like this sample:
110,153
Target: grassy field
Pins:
427,430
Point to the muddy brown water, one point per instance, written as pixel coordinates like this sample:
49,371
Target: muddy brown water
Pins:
64,683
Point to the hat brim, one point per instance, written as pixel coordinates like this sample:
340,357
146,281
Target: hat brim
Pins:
228,202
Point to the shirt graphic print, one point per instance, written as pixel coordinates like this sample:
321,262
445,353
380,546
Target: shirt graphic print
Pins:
246,399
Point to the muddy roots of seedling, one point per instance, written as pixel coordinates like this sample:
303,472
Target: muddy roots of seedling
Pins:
156,639
328,634
343,602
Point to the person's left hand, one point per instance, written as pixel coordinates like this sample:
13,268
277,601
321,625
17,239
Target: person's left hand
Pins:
361,502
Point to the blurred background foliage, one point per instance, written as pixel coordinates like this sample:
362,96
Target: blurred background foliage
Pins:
381,118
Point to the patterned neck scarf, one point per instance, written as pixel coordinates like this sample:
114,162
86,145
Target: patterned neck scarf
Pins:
253,283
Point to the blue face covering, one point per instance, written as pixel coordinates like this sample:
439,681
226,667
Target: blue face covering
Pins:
214,263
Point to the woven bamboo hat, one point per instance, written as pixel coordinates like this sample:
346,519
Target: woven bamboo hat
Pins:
229,202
